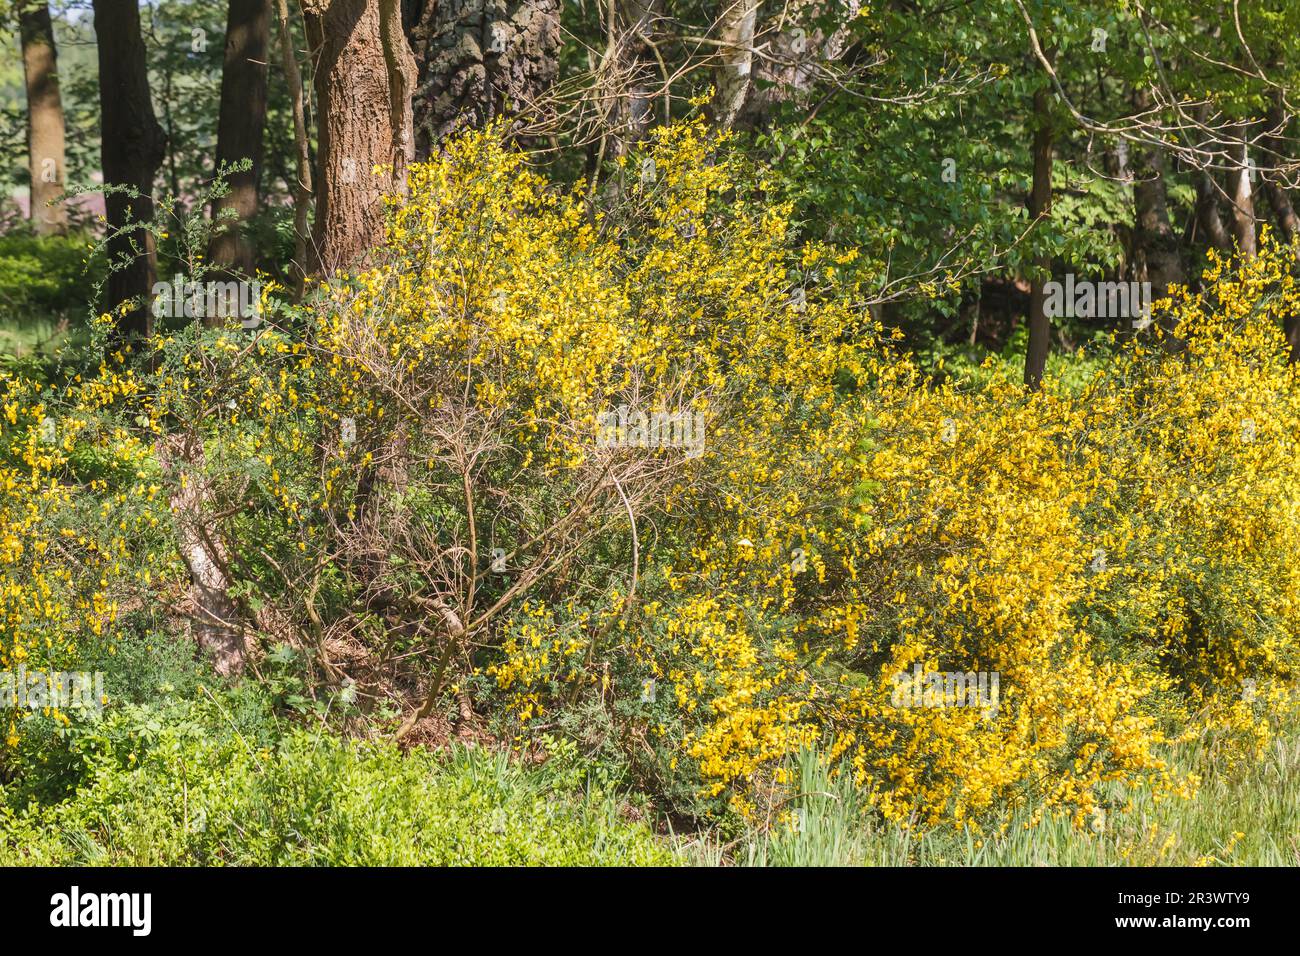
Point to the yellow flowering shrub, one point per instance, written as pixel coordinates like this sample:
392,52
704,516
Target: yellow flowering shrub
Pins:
422,467
1196,494
82,523
1120,558
433,479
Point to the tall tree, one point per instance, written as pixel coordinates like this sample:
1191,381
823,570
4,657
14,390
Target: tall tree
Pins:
45,131
402,76
302,189
1274,189
132,147
1242,193
634,24
356,101
241,120
1208,218
480,60
806,37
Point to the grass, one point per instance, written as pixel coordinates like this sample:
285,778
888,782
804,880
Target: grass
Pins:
174,774
1241,815
173,792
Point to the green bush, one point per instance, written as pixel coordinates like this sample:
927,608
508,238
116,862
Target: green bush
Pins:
162,785
45,274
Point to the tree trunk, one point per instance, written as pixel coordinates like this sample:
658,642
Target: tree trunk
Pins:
1155,244
1040,207
1207,201
797,53
1242,191
45,133
479,60
132,149
634,72
1288,223
402,75
1207,212
217,628
354,129
302,190
736,24
240,122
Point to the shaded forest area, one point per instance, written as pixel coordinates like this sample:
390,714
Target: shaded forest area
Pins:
940,139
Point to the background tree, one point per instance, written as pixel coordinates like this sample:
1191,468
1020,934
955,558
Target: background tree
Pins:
241,120
302,178
1156,250
737,21
47,163
133,146
480,60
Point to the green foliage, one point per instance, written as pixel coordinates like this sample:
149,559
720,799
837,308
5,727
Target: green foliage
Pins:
201,783
46,288
44,274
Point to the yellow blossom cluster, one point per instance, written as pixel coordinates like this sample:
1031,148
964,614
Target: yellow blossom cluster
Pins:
1118,556
83,521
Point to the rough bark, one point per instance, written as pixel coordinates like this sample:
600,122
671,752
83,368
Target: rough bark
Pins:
402,76
241,120
479,60
45,130
132,150
737,20
354,130
1040,206
635,71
